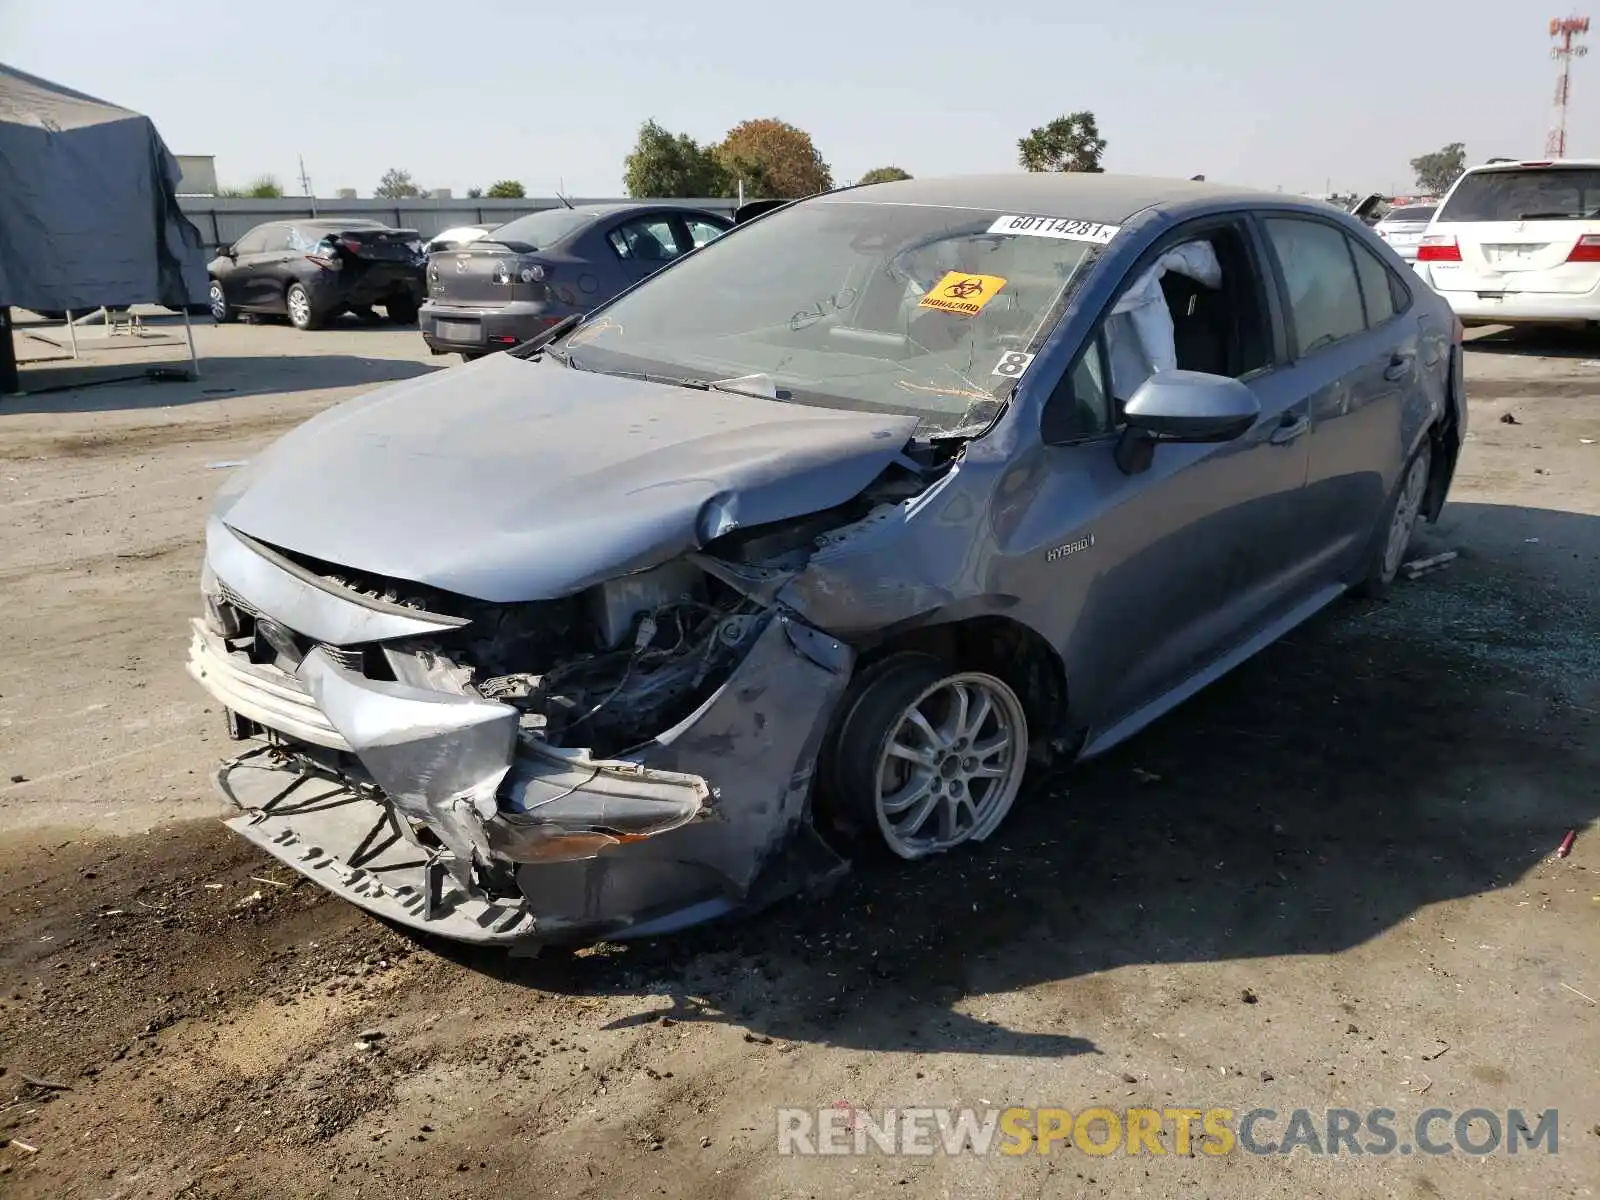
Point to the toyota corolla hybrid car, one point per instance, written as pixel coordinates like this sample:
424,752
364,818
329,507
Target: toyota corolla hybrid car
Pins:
811,545
1518,243
537,270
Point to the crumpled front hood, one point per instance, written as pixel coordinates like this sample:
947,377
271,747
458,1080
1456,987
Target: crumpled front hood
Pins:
510,480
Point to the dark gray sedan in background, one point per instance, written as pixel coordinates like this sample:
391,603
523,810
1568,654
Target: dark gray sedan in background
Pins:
812,544
534,271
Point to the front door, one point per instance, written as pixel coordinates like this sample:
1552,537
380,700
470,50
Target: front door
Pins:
1205,548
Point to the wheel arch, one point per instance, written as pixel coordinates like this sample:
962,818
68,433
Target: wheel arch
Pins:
1001,646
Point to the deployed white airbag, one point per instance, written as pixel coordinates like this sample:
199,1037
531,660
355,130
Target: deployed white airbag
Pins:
1139,332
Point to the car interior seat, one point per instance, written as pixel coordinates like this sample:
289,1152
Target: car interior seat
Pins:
1203,329
647,247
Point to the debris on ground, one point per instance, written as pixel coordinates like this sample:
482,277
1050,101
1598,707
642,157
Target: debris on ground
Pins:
1566,844
1418,567
1509,419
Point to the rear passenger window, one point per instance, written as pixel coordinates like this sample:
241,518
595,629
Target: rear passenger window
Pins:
649,239
1324,294
1377,285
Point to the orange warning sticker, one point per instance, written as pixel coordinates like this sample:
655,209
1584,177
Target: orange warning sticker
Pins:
963,294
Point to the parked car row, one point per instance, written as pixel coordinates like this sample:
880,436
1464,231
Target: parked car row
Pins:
810,544
476,288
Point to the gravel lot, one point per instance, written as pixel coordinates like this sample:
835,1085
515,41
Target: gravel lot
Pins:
1328,881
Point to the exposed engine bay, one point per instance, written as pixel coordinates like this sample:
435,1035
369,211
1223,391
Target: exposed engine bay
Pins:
606,669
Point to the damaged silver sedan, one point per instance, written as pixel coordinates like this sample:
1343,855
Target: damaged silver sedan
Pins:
812,542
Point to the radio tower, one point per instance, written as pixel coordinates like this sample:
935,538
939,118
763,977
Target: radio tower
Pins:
1563,30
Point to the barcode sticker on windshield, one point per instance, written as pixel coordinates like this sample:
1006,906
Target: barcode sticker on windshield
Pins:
1057,227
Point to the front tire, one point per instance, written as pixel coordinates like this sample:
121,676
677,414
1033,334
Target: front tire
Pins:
221,311
298,303
929,757
1393,536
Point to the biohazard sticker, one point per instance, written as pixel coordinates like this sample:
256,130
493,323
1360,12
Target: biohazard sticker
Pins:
1012,363
1057,227
963,294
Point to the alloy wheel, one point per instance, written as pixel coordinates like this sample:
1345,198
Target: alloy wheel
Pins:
299,307
952,766
1406,509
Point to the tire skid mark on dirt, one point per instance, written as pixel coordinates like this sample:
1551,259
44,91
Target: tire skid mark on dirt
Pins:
139,439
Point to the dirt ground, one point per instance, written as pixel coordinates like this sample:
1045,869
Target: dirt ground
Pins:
1328,880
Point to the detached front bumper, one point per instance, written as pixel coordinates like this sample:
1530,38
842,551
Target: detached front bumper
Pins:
445,818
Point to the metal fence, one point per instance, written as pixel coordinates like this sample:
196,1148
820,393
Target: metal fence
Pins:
224,221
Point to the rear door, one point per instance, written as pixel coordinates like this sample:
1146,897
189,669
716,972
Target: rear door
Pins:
1355,342
1518,229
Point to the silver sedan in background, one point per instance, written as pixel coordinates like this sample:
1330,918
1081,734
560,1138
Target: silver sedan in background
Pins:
1403,228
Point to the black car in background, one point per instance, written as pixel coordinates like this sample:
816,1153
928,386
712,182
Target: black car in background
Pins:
532,272
311,271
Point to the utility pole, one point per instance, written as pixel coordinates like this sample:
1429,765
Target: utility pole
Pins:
1563,30
305,183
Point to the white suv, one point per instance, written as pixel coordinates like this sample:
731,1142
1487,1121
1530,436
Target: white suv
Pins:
1518,242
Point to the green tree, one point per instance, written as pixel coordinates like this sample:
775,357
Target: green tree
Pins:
669,165
506,189
1069,143
474,193
884,175
396,185
773,159
1437,171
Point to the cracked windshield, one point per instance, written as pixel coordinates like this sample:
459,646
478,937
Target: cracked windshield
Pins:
873,307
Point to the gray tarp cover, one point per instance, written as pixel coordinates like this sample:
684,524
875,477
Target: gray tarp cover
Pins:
88,207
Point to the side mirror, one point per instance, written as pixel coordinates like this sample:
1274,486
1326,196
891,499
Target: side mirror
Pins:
224,251
1183,406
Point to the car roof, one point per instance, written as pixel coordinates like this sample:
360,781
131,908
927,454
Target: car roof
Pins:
1519,164
1077,195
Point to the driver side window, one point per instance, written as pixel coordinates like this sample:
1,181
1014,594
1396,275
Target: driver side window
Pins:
1196,304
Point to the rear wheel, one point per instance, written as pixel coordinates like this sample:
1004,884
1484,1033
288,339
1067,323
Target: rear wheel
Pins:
929,757
221,311
1393,536
301,314
402,310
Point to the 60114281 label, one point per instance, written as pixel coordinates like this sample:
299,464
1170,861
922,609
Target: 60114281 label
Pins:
1063,228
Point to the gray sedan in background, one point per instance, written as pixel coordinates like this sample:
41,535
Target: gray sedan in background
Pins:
1403,228
810,545
530,273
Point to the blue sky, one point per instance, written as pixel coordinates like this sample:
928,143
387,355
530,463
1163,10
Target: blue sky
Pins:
465,93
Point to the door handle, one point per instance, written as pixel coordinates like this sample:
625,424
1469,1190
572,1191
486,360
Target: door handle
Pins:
1399,364
1289,429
